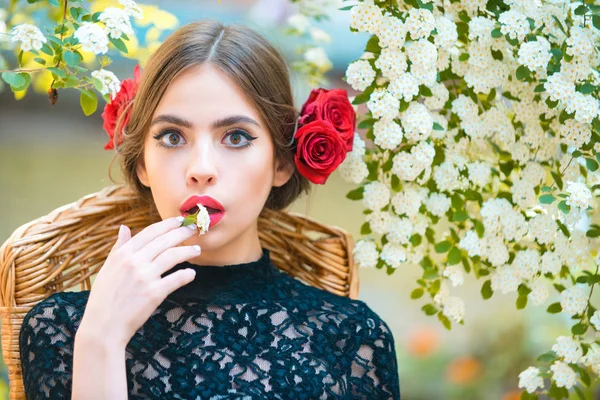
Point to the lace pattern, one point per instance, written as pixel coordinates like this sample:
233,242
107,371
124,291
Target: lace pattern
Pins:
257,333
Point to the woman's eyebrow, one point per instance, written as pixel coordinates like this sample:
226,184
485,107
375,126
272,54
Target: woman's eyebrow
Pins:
219,123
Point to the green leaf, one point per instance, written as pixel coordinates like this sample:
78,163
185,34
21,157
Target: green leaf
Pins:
554,308
579,392
98,85
72,58
396,183
560,26
593,233
492,95
547,199
497,55
363,97
587,88
58,72
345,8
523,290
119,44
550,103
367,123
454,256
557,179
564,115
437,127
417,293
75,12
585,377
596,21
443,247
496,33
563,228
460,216
547,357
356,194
373,45
416,239
556,53
71,81
47,49
88,101
486,289
564,207
591,164
40,60
463,57
429,309
425,91
579,329
444,320
17,81
581,10
365,229
523,72
479,228
539,88
521,302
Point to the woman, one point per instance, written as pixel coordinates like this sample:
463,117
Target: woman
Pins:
178,315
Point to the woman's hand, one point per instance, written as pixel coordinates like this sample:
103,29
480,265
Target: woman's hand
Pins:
129,287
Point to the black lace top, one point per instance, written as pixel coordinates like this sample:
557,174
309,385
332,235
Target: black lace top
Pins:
243,331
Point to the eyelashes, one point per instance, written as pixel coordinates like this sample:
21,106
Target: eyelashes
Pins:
235,133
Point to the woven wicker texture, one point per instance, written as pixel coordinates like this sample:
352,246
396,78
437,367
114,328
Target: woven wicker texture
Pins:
67,247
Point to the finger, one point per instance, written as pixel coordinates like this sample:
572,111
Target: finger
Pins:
164,242
151,232
122,237
165,261
174,281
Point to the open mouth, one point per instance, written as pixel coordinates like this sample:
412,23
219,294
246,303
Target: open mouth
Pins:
208,209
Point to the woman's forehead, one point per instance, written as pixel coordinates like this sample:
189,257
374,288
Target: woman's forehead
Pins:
205,91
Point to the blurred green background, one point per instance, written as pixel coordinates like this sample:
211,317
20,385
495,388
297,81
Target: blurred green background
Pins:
51,156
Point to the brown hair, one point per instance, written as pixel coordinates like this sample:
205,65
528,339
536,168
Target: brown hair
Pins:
251,62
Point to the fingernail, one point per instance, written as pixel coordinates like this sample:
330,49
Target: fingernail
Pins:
179,219
192,226
197,248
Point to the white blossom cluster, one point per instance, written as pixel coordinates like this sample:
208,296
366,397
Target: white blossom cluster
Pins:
453,307
354,169
110,83
530,379
30,36
113,23
116,21
574,300
521,98
93,37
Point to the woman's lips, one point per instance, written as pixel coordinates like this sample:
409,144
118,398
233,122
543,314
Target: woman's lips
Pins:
215,218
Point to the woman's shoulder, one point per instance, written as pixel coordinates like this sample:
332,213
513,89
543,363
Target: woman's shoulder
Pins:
58,307
345,307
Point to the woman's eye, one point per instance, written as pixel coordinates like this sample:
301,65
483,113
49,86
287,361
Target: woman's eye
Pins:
171,138
238,136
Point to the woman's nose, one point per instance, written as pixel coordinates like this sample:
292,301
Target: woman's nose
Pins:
202,166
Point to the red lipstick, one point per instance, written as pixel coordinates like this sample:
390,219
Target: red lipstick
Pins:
216,211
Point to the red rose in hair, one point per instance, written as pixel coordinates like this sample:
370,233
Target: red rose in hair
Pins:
117,105
319,151
332,106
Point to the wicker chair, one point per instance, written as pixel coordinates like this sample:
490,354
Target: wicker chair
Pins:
69,245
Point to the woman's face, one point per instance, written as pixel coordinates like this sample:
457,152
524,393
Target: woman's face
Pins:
206,138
